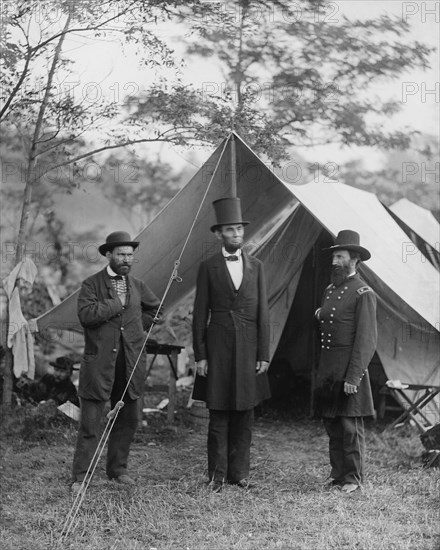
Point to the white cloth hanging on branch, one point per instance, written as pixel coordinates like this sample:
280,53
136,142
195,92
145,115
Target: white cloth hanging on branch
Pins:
20,338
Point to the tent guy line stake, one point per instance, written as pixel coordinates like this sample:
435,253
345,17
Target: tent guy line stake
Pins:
113,414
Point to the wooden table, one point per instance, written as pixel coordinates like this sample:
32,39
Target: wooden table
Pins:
171,351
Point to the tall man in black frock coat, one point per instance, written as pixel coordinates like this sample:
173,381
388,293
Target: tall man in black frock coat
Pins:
231,346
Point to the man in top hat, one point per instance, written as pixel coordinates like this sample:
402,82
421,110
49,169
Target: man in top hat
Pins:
347,321
115,309
231,346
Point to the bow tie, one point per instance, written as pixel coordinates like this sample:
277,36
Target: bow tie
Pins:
116,277
231,258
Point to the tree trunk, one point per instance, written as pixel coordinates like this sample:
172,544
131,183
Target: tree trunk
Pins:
27,198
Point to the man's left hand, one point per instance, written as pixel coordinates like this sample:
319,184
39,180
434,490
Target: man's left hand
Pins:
262,366
350,389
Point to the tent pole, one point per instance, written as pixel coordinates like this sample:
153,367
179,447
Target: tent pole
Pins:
233,167
313,355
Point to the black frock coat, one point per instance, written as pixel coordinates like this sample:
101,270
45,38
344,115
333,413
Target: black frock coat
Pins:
108,325
231,331
347,321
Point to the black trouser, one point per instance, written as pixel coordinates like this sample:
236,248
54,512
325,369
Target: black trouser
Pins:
346,448
229,443
122,433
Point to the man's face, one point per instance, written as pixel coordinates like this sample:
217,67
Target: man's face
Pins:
120,259
341,258
61,374
231,236
342,266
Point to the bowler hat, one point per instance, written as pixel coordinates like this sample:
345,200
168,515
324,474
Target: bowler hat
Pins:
62,363
117,238
349,240
227,212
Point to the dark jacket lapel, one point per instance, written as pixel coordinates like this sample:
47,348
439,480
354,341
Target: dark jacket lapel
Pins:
223,275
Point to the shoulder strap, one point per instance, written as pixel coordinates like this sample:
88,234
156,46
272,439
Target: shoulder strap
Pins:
364,289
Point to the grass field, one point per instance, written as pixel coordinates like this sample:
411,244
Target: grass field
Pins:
171,507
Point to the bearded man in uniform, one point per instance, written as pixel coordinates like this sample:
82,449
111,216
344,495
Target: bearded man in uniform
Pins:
347,321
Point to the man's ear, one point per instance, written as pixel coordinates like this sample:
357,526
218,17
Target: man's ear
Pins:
108,255
218,234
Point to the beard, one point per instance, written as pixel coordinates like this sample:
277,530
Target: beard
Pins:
339,274
231,248
120,269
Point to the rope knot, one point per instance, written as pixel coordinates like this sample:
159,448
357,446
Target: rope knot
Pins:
174,275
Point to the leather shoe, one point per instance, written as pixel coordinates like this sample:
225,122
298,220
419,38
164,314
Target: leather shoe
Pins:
242,484
216,486
334,484
350,488
125,479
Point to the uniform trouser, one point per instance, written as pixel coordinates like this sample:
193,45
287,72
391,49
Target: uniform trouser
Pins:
229,443
122,433
346,448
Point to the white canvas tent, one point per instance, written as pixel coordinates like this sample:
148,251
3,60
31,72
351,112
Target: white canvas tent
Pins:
407,289
420,219
422,229
289,225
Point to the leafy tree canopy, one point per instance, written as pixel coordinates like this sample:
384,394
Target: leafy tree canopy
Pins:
294,73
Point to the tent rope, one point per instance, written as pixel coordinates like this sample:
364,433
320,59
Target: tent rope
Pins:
113,414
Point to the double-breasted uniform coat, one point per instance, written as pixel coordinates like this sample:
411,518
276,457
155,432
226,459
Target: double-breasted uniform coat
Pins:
107,326
348,326
347,321
231,331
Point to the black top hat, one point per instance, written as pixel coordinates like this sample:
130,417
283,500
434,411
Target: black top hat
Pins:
349,240
227,212
62,363
117,238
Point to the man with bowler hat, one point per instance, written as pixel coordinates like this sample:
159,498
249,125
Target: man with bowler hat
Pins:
231,346
347,321
115,309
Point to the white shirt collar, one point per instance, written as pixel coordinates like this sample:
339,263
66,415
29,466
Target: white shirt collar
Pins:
236,253
111,272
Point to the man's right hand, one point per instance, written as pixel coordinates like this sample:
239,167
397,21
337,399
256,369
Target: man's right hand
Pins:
202,367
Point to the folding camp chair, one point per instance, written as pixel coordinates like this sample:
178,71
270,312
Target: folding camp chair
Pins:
415,410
